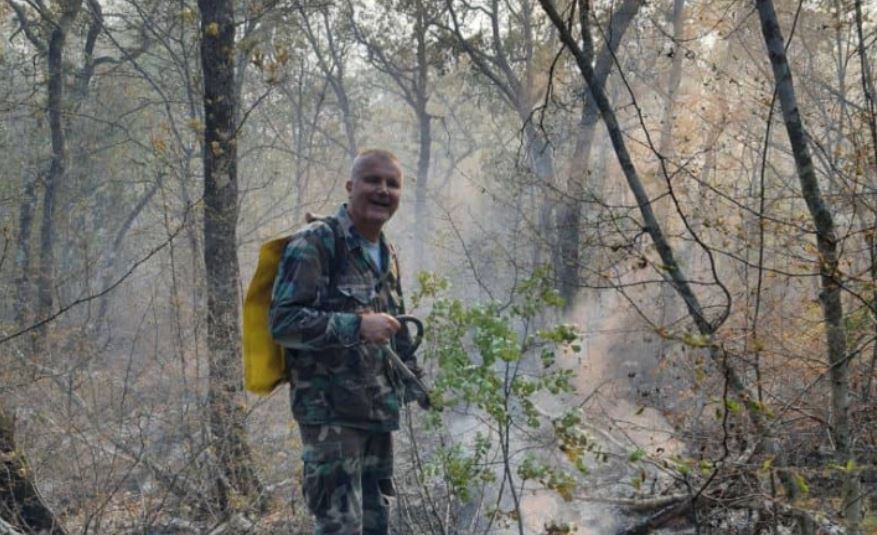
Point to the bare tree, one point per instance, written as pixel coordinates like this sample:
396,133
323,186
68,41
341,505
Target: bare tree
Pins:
570,214
706,323
507,53
871,119
57,27
320,27
220,253
410,73
830,276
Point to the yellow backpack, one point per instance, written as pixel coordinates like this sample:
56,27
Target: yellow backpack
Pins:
265,359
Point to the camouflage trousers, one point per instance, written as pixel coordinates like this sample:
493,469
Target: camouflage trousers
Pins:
346,479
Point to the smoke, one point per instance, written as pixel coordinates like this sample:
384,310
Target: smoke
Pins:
617,373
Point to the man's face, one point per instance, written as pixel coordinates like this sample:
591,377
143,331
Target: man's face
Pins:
375,188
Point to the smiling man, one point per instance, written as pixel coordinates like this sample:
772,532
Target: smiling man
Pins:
335,296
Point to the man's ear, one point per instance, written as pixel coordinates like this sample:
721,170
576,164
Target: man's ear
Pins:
349,186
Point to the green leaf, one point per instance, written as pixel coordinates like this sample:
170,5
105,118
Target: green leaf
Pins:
801,483
636,455
733,406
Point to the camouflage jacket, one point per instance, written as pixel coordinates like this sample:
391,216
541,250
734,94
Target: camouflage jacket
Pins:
325,278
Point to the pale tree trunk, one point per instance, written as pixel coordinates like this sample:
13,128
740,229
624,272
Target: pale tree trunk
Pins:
871,238
331,64
541,158
666,147
501,63
334,72
23,262
412,79
570,212
55,88
113,252
421,209
225,397
826,242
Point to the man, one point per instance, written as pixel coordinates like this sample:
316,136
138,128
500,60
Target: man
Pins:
335,296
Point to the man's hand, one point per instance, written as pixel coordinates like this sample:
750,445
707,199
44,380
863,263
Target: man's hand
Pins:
378,328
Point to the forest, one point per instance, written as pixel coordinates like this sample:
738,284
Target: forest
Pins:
642,236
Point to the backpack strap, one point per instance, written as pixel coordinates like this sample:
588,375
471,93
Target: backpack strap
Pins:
339,255
338,261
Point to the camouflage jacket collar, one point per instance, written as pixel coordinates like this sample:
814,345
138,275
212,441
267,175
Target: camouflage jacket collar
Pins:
356,241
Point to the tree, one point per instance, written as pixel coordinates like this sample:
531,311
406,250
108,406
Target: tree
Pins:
410,74
672,271
830,276
569,219
220,252
323,23
506,45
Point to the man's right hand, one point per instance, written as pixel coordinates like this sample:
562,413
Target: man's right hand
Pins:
377,327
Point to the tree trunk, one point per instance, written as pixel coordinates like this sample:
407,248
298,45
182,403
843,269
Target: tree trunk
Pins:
826,242
666,147
570,213
541,159
225,397
55,88
871,238
23,284
421,209
112,253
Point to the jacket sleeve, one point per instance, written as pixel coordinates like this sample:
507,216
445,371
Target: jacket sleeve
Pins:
295,317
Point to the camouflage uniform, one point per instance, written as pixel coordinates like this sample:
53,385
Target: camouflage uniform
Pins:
346,399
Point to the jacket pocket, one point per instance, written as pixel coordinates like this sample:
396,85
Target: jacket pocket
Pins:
356,399
357,296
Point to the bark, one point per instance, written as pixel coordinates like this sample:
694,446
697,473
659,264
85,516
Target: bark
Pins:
541,159
871,238
570,214
666,147
421,208
538,149
826,242
20,503
225,396
86,72
55,88
424,121
23,261
304,126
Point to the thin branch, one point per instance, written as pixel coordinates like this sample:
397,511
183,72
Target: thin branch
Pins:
91,297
